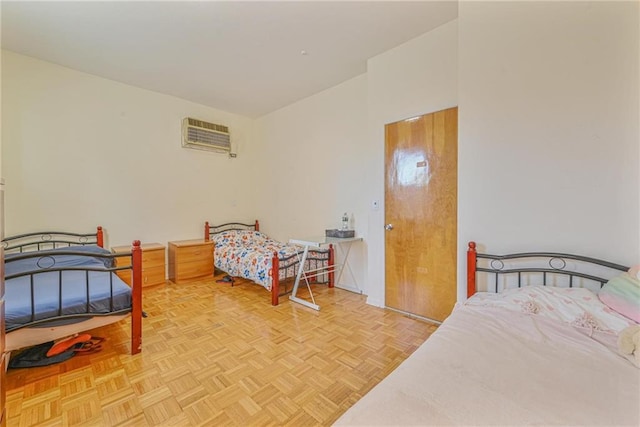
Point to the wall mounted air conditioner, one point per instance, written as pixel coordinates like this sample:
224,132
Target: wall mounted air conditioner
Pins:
205,136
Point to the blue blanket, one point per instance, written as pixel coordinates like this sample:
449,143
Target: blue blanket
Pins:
60,293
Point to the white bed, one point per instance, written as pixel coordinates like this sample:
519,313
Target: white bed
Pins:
526,356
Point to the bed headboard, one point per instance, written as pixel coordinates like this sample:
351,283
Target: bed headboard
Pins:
51,240
544,268
210,230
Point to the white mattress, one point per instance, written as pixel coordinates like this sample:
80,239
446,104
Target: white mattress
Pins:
27,337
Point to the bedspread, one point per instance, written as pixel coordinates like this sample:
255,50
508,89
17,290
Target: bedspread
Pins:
248,254
488,365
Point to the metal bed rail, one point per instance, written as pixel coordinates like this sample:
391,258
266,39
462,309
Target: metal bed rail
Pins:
550,266
46,264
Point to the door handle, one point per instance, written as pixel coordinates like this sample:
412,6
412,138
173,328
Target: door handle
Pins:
388,227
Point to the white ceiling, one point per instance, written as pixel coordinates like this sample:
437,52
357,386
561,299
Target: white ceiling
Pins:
240,57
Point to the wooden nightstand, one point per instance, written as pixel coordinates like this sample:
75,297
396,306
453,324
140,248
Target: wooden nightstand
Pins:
153,265
190,260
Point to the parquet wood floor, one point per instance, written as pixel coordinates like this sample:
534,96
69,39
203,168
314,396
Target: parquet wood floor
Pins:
220,355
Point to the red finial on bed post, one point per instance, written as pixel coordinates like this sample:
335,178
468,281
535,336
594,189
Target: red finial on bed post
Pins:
206,231
100,237
275,278
136,296
471,269
257,226
332,262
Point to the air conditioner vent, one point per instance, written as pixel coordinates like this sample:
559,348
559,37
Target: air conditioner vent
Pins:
205,136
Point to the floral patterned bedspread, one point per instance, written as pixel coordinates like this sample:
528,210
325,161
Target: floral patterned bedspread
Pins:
248,254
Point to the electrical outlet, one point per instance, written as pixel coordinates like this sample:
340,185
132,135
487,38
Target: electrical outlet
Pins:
375,205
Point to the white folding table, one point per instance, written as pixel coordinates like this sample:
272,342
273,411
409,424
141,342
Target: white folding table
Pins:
318,242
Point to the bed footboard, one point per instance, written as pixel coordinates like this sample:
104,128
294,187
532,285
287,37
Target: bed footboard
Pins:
70,281
315,256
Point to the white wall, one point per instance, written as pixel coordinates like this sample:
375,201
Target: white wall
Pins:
311,168
548,142
415,78
80,150
329,148
548,130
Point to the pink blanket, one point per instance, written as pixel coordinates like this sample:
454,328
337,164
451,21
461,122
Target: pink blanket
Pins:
493,366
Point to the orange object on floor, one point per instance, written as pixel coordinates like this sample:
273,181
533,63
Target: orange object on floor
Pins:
89,347
66,344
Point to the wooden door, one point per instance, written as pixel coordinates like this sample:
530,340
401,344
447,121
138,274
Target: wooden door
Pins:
421,181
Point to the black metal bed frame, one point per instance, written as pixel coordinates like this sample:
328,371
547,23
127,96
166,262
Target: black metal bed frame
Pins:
315,257
20,248
47,240
557,262
215,229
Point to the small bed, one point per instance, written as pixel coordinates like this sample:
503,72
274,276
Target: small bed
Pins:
535,347
241,250
58,284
